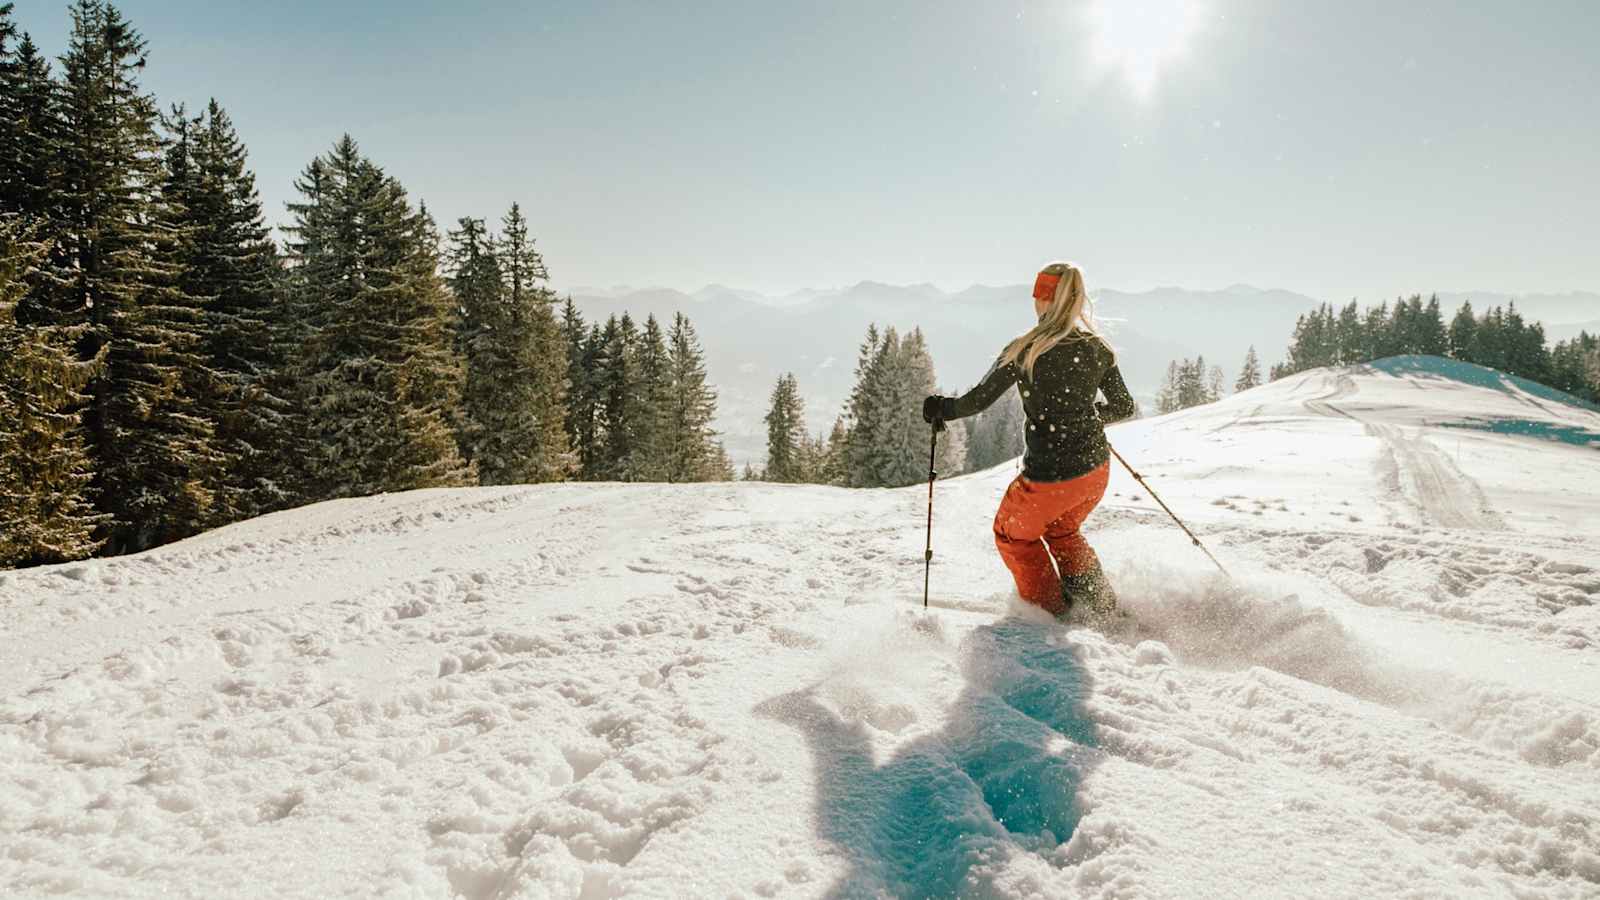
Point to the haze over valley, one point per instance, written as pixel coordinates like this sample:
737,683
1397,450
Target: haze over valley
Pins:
752,338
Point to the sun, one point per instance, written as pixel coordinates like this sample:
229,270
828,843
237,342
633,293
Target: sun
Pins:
1140,39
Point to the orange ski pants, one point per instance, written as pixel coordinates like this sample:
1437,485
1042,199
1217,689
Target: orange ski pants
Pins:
1037,530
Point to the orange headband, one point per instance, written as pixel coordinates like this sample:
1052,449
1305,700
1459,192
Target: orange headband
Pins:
1044,287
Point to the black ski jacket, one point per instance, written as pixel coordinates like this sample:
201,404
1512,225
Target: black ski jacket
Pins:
1066,434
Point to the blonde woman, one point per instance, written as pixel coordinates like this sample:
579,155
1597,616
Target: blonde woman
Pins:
1060,367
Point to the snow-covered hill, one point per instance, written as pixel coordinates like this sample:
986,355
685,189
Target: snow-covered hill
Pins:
732,690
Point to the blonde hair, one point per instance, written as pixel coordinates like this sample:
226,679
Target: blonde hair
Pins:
1068,318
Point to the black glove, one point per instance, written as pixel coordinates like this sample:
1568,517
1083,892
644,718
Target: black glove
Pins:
933,411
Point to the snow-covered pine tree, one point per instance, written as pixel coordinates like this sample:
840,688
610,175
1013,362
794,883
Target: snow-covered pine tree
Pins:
1215,379
45,471
1249,373
786,432
230,263
691,453
919,381
1191,383
860,416
117,271
543,367
997,434
879,429
1167,398
377,368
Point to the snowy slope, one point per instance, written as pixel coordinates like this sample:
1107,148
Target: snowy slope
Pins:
731,690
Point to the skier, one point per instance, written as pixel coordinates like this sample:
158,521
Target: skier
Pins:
1059,367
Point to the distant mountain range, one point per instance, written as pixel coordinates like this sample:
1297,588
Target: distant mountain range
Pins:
751,338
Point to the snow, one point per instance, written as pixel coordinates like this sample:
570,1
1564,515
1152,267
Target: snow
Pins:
590,691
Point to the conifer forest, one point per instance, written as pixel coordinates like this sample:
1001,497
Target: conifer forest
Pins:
168,365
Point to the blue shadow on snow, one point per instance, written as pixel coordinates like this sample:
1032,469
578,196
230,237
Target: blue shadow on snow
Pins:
1566,434
1477,376
1004,771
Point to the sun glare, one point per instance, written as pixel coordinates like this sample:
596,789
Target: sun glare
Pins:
1140,39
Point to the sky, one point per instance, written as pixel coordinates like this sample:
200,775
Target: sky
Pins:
1354,149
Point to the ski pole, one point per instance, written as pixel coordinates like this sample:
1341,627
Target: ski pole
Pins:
1142,483
927,558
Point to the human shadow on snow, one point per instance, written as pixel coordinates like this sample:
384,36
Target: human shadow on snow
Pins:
1004,774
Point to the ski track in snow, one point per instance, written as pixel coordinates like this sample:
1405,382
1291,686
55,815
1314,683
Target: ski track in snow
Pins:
730,690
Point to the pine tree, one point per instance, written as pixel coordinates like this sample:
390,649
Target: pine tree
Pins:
1351,337
786,432
906,451
648,460
516,355
1401,333
378,370
1167,399
1192,383
1489,346
45,470
587,405
996,435
117,270
30,171
1526,355
1570,366
1317,341
29,130
489,346
578,406
229,263
878,433
619,397
1433,339
1215,378
546,453
1463,333
1379,332
720,466
813,457
835,460
861,417
1250,373
690,451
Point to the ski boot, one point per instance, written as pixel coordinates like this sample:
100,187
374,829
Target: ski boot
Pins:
1088,597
